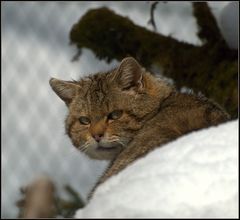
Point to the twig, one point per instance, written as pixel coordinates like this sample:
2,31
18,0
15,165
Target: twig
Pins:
151,20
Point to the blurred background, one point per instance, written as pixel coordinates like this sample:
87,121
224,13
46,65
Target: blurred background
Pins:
35,47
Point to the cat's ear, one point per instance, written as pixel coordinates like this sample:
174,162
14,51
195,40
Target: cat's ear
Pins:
129,74
64,89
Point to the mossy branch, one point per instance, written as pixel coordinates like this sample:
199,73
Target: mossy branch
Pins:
111,36
211,69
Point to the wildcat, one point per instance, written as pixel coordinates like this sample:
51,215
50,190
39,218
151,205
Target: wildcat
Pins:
123,114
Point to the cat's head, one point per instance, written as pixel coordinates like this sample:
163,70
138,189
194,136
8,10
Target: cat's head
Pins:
106,110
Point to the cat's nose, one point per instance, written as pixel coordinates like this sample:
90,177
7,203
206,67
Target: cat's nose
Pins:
97,137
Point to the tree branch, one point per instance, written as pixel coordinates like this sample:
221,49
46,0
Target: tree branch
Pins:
208,30
39,200
112,36
211,69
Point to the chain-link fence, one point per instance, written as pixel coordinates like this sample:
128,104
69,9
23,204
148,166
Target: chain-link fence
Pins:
35,46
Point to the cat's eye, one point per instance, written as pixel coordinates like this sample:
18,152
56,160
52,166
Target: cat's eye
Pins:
84,120
115,115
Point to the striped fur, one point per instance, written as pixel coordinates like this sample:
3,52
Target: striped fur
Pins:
153,113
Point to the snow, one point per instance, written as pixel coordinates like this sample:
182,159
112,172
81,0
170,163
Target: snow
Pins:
193,176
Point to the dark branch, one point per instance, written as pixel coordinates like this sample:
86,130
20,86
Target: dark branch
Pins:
111,36
208,30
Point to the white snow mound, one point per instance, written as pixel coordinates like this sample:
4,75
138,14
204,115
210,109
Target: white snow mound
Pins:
193,176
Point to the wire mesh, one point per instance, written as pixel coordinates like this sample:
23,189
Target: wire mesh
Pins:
34,47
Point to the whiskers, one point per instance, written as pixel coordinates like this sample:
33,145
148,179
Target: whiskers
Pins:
72,152
84,147
120,142
117,140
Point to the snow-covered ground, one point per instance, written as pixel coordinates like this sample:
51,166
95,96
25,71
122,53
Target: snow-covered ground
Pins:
193,176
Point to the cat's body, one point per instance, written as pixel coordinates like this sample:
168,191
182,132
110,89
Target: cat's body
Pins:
123,114
178,115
